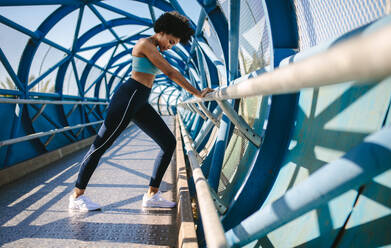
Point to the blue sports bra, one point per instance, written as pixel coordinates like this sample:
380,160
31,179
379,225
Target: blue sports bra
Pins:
142,64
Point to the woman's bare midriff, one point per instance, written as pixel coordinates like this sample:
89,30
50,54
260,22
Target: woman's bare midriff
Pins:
143,78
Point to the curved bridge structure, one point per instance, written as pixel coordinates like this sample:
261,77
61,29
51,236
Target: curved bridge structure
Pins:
292,149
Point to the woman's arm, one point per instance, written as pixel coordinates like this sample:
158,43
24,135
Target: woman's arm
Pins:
151,52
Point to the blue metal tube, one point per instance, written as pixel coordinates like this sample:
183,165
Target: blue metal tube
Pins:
144,21
16,123
77,30
158,99
234,39
200,24
109,63
216,63
111,81
187,117
77,77
18,27
111,43
218,153
194,128
225,124
94,83
39,79
153,17
362,163
10,92
177,7
96,12
168,99
122,64
38,2
87,69
206,128
219,22
201,65
10,71
191,118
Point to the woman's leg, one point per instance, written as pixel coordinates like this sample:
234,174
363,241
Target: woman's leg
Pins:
120,111
153,125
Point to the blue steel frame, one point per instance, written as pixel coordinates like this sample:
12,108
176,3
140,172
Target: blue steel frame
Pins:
251,190
106,79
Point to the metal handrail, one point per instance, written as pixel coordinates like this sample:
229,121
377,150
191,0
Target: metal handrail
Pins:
50,132
29,101
363,59
214,232
41,134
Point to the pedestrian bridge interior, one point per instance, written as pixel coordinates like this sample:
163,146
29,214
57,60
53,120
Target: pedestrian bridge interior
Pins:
292,149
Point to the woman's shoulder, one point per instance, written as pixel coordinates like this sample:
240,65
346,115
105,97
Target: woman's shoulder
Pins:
144,42
141,46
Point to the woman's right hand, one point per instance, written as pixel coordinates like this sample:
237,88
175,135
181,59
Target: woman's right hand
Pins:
204,92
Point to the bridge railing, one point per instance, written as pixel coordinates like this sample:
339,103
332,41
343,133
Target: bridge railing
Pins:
361,59
54,131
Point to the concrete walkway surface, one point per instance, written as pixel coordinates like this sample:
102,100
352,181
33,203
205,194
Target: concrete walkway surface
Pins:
34,213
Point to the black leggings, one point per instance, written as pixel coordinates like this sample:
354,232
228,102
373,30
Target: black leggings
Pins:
130,102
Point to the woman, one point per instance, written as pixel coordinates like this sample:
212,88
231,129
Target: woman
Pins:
130,102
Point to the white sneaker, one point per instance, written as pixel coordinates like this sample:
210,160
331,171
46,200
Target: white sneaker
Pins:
82,203
156,201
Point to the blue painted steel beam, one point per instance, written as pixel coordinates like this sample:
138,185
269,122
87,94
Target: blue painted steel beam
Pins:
201,65
11,92
122,63
355,168
206,128
168,100
11,72
107,88
283,24
56,124
46,26
112,23
225,124
214,65
77,30
234,39
112,43
111,81
39,2
152,12
51,69
104,22
79,87
143,21
18,27
27,56
219,22
178,7
158,98
88,68
160,4
109,62
264,169
16,122
31,47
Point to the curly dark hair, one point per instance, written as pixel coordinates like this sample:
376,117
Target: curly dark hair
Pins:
175,24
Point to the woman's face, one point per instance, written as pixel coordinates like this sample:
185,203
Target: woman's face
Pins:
167,41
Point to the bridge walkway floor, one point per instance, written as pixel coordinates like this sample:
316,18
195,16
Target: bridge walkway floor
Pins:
33,210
